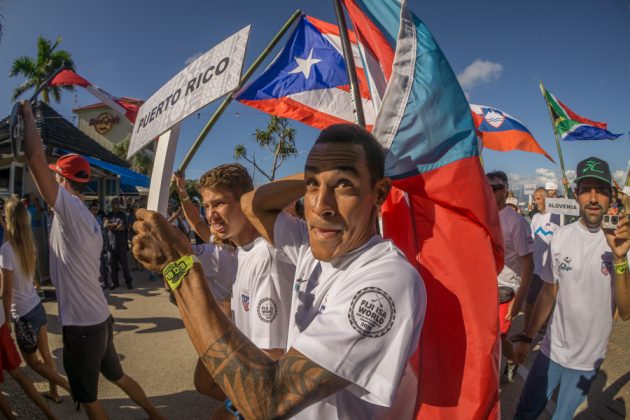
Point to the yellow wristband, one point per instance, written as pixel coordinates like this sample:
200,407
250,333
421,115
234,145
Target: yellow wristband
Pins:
174,272
622,267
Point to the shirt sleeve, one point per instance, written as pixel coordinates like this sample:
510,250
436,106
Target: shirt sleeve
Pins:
218,269
522,238
367,328
549,272
290,235
6,257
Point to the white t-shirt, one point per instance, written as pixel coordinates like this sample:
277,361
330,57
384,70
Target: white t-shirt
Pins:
359,317
580,262
75,250
219,266
518,242
261,295
543,226
24,294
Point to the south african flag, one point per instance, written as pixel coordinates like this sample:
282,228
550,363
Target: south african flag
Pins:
570,126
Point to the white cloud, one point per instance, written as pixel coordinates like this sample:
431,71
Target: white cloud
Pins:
620,176
478,73
193,57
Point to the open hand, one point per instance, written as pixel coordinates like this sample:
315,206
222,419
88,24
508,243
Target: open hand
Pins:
157,242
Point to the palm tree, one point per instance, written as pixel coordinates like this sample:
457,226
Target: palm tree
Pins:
36,71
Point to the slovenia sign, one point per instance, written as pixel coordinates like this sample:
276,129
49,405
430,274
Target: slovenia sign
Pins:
212,75
566,206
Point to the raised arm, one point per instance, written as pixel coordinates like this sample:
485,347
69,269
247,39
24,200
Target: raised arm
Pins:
36,158
619,242
257,385
196,222
263,205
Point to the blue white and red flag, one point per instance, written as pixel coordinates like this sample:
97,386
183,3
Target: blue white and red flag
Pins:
500,131
308,82
441,214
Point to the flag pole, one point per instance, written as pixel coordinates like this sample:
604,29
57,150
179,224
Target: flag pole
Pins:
350,68
555,133
228,99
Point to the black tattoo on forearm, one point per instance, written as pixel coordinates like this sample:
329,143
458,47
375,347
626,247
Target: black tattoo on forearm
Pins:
262,388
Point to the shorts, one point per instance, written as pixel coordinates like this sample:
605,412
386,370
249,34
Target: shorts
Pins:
534,288
87,351
37,319
506,295
504,324
9,357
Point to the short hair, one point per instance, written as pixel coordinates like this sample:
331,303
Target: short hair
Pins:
353,134
78,187
232,177
500,175
539,189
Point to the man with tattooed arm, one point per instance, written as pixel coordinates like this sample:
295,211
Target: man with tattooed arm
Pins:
357,304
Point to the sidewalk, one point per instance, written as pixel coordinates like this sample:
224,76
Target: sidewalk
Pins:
156,351
153,346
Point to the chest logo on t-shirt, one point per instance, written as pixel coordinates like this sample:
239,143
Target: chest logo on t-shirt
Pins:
245,299
565,265
267,310
372,312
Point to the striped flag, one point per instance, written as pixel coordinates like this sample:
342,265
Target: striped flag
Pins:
502,132
68,77
571,126
441,212
308,82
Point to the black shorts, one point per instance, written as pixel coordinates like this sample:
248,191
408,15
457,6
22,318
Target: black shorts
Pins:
86,352
534,288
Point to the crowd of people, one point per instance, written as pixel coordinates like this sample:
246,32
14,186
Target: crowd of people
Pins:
294,303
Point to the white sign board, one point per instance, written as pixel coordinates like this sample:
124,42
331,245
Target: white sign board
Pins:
529,189
209,77
566,206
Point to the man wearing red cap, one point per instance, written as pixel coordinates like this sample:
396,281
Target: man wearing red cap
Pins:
75,247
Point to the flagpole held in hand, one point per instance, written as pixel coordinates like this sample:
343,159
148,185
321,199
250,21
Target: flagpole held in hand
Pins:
228,99
350,68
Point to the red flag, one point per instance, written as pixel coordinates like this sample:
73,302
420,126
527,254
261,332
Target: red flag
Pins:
441,215
68,77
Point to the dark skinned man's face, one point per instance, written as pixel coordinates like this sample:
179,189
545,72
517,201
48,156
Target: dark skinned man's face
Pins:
340,203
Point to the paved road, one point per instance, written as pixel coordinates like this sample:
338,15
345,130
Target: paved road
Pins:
156,351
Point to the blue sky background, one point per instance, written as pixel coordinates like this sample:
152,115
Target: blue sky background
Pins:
580,49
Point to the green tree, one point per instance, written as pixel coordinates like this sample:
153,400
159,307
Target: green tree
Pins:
277,138
37,70
141,162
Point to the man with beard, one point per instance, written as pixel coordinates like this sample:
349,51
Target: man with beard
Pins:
586,276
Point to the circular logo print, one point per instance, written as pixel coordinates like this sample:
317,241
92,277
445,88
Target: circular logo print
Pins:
372,312
267,310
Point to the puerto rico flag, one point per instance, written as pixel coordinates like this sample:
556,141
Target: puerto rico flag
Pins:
68,77
500,131
441,212
308,82
571,126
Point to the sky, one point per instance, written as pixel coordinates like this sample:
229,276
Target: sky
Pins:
500,50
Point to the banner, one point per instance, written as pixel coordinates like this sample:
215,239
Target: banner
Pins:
209,77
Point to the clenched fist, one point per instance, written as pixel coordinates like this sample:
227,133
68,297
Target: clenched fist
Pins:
157,242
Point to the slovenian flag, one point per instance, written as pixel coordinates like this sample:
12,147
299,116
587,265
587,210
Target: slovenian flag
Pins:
441,212
308,82
570,126
500,131
70,78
